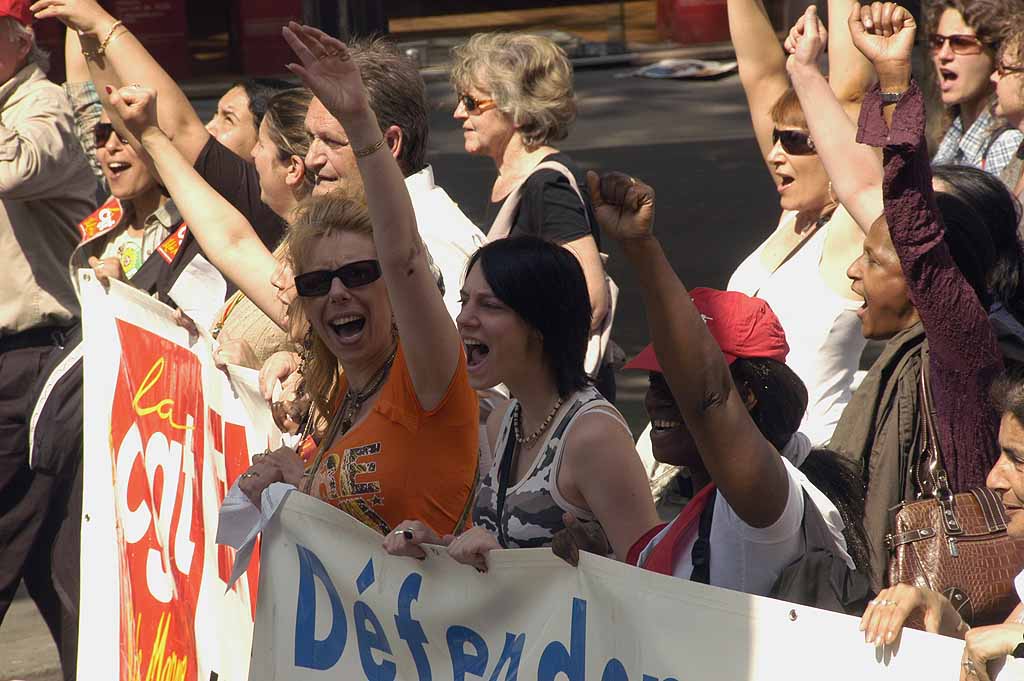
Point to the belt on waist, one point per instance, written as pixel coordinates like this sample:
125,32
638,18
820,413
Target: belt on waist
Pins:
33,338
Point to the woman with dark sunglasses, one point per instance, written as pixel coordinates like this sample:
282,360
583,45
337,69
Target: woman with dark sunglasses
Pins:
385,366
539,190
963,37
800,268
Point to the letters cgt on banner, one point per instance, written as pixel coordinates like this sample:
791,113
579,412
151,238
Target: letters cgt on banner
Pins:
166,434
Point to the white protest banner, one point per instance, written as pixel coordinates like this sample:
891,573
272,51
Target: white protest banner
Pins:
333,605
166,434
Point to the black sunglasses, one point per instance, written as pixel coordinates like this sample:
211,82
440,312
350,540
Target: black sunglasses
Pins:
794,142
960,43
472,104
102,133
352,275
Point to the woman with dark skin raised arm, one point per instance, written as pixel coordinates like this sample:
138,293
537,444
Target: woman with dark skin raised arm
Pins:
375,314
762,492
923,275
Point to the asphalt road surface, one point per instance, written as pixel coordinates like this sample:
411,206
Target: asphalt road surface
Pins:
691,140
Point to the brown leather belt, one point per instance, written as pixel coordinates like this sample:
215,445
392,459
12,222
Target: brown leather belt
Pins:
33,338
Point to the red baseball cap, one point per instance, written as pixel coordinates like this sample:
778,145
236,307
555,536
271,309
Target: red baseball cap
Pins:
744,327
17,9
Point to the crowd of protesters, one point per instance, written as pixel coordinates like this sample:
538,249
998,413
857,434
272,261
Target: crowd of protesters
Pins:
472,366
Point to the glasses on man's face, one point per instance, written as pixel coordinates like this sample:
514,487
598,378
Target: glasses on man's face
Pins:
960,43
102,133
474,105
1004,69
795,142
352,275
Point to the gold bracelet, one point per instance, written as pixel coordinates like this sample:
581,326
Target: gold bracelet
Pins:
101,50
366,151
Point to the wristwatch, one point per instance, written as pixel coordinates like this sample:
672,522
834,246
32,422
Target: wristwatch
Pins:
1019,650
890,97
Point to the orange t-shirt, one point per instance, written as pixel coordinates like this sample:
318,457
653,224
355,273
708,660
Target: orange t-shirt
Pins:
404,463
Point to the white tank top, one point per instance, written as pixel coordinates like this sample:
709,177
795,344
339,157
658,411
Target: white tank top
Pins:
822,328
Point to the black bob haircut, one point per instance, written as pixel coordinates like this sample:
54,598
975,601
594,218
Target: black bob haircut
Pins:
544,284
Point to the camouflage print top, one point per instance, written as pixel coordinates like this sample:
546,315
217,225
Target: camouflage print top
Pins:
533,507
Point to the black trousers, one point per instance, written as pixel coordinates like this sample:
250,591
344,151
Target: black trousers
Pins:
33,506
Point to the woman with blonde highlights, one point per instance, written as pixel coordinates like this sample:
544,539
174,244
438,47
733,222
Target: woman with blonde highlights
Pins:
515,100
385,364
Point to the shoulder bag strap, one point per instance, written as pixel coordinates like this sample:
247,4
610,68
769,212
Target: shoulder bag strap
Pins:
504,472
502,225
700,556
931,456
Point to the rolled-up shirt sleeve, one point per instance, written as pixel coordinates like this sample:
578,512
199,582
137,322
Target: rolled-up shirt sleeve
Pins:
34,151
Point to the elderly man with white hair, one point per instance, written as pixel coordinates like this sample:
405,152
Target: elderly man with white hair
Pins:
46,188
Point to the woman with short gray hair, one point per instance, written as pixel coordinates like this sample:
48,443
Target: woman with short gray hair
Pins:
515,100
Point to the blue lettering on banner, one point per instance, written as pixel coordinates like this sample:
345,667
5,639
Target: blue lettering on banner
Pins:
556,659
371,637
310,652
511,653
409,630
463,662
614,671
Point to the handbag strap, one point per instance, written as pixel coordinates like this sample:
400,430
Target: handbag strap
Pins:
931,457
504,472
502,225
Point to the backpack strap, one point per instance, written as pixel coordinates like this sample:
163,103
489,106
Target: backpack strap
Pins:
700,556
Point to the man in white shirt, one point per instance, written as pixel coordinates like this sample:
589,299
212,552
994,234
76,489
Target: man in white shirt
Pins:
398,98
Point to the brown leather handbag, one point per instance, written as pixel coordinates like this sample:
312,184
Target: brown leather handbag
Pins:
955,544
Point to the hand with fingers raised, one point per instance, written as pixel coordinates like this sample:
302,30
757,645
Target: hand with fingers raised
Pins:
328,70
806,40
623,205
84,16
884,33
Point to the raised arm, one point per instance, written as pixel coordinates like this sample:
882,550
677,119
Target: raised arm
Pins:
225,236
849,71
963,354
745,466
85,102
762,65
126,61
855,170
429,339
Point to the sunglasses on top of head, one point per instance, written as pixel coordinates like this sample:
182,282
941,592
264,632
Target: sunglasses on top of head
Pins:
795,142
473,105
960,43
102,133
352,275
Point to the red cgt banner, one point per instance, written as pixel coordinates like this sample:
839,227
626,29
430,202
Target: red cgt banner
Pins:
177,435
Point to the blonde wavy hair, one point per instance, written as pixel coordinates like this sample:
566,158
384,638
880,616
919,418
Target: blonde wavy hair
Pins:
529,78
343,211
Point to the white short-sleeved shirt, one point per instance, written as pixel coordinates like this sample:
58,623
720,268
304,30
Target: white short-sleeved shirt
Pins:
745,558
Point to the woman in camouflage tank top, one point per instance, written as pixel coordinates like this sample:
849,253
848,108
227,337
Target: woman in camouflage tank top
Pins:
559,447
